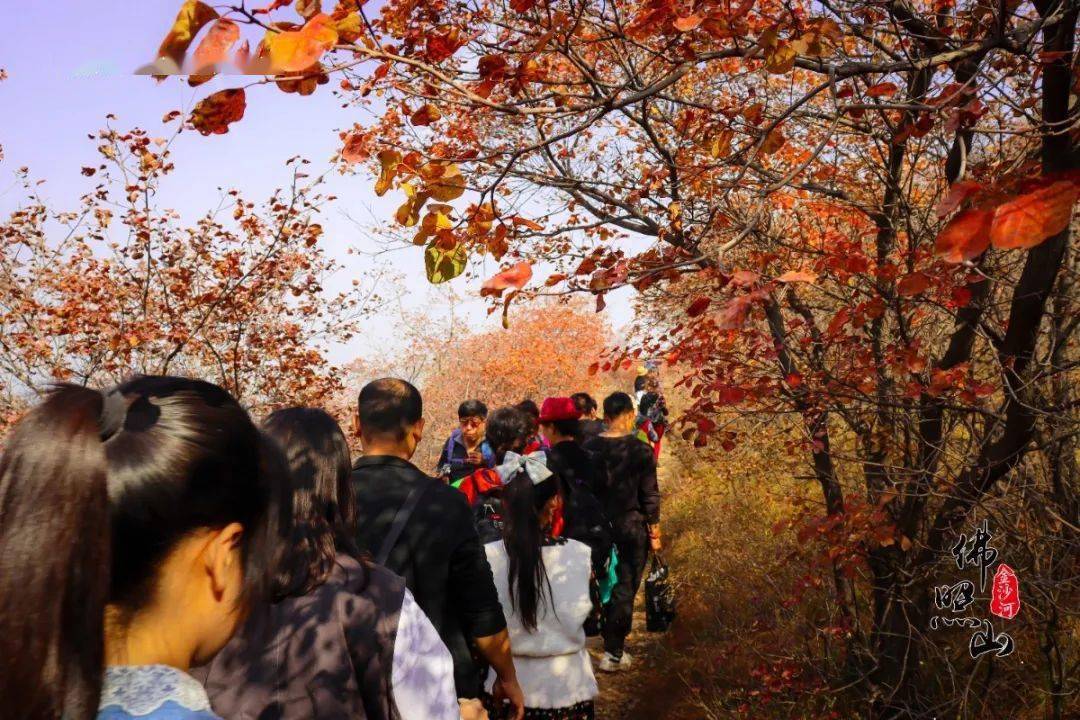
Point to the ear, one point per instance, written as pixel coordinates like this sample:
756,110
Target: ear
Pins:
418,431
359,427
221,557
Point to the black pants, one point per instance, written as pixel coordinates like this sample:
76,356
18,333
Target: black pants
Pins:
632,545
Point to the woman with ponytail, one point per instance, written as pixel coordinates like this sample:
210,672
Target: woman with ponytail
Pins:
137,527
543,586
344,637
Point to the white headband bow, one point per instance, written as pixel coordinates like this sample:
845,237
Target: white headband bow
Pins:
534,464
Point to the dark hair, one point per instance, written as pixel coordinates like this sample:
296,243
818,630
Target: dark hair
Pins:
616,404
640,382
570,428
524,541
530,407
584,402
388,406
508,429
317,484
647,401
96,489
472,408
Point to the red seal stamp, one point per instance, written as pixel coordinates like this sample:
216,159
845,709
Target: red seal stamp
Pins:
1005,593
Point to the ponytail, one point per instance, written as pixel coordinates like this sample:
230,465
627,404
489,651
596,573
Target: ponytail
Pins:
523,538
54,559
95,491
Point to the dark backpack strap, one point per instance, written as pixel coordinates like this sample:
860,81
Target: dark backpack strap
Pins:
398,526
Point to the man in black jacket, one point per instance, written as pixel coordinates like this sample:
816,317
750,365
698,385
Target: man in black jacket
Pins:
435,548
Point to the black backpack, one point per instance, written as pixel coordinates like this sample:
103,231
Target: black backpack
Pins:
586,522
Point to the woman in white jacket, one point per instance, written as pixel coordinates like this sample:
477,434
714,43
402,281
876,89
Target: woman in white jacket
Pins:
543,586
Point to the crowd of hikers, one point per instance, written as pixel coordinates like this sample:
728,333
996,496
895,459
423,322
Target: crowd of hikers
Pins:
162,556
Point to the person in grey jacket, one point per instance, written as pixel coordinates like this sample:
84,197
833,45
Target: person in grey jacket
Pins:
344,638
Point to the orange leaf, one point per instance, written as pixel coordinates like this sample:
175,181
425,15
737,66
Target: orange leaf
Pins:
881,89
913,284
965,237
297,50
214,48
797,276
1028,220
214,113
526,222
515,277
688,23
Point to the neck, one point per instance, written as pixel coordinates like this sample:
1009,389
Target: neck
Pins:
149,637
383,448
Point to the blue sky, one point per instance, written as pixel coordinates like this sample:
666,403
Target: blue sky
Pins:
70,63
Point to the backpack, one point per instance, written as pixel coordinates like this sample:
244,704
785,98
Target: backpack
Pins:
586,522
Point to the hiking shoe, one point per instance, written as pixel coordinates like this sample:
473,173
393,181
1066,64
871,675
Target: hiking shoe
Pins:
610,663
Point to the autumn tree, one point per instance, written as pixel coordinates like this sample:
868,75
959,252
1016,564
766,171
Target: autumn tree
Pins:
545,352
119,285
861,219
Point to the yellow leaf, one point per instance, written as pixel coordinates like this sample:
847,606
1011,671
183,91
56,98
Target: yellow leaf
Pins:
349,27
721,143
781,60
447,185
389,161
192,17
296,50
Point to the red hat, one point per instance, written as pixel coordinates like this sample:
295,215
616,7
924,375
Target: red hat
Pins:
558,408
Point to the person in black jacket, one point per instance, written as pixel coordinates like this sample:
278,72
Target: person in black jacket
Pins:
631,497
438,551
582,514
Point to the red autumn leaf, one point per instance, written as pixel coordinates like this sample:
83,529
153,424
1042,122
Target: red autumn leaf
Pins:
522,6
958,193
594,368
425,115
881,89
965,237
515,277
213,114
440,46
1029,220
688,23
797,276
554,279
699,306
913,283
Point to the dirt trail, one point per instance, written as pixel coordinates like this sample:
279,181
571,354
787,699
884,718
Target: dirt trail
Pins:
621,694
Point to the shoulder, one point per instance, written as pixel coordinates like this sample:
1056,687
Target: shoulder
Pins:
152,691
495,550
570,549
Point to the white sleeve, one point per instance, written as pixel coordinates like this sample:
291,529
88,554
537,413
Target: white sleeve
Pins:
422,678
